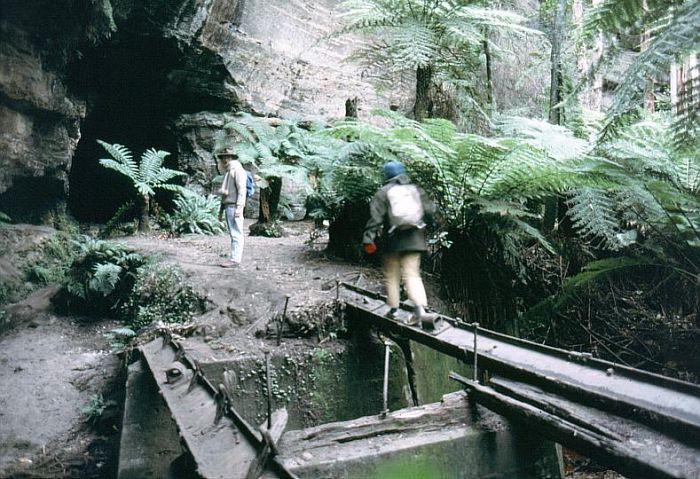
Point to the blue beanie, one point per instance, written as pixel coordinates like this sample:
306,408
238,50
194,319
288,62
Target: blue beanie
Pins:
392,169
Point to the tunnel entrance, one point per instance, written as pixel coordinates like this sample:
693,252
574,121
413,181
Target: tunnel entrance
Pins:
130,103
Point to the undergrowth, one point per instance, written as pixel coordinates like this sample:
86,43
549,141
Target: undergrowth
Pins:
160,294
110,279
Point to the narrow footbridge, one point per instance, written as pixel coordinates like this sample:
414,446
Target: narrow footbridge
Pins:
638,423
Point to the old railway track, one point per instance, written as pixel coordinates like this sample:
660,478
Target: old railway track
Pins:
639,423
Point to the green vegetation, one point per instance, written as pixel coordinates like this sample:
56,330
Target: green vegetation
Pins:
195,213
440,42
101,276
279,151
108,279
147,175
96,408
160,293
40,263
670,32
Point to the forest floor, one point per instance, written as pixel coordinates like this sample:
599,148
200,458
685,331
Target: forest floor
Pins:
63,386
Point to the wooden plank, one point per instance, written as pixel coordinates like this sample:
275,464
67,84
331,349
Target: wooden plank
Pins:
222,444
610,452
219,450
644,442
671,406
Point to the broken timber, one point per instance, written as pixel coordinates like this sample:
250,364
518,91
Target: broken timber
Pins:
651,413
222,444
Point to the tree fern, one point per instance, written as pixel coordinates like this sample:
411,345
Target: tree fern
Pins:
468,174
146,176
430,38
675,34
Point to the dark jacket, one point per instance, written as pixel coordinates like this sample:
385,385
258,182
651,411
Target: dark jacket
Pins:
398,240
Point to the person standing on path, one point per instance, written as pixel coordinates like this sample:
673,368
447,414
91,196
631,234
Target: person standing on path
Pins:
233,198
400,211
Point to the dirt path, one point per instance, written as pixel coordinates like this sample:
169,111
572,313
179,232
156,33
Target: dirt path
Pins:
51,367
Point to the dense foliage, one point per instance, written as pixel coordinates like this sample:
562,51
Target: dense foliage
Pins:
109,279
160,293
439,42
672,29
195,213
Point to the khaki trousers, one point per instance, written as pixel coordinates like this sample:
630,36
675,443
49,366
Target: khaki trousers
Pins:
403,265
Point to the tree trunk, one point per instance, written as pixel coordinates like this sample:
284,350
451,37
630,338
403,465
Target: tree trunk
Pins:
269,200
556,115
423,107
683,77
592,96
351,107
489,74
144,223
556,81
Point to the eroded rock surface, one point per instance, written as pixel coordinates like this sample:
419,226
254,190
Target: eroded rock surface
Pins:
269,57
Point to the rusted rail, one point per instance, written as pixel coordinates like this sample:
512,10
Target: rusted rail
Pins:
646,408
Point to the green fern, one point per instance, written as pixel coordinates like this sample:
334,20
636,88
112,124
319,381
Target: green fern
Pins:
105,278
197,214
100,277
283,149
593,213
146,176
435,40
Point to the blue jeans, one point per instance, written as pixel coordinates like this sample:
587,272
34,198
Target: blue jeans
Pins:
235,230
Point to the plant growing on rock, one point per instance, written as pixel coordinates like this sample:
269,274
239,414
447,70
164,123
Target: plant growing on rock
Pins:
160,293
146,176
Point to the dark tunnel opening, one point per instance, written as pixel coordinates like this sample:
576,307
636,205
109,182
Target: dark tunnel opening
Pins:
126,87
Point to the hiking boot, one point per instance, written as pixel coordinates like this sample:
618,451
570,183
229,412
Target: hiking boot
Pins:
419,311
393,314
413,321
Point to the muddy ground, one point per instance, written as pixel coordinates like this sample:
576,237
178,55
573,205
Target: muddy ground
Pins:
54,368
57,371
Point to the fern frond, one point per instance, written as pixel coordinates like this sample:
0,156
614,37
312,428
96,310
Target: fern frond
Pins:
122,156
105,277
594,215
241,129
150,164
676,34
557,141
600,269
118,167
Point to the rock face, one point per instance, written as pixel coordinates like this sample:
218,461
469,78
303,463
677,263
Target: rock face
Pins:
206,57
39,121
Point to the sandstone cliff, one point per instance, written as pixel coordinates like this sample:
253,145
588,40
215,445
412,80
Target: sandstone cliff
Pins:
184,63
